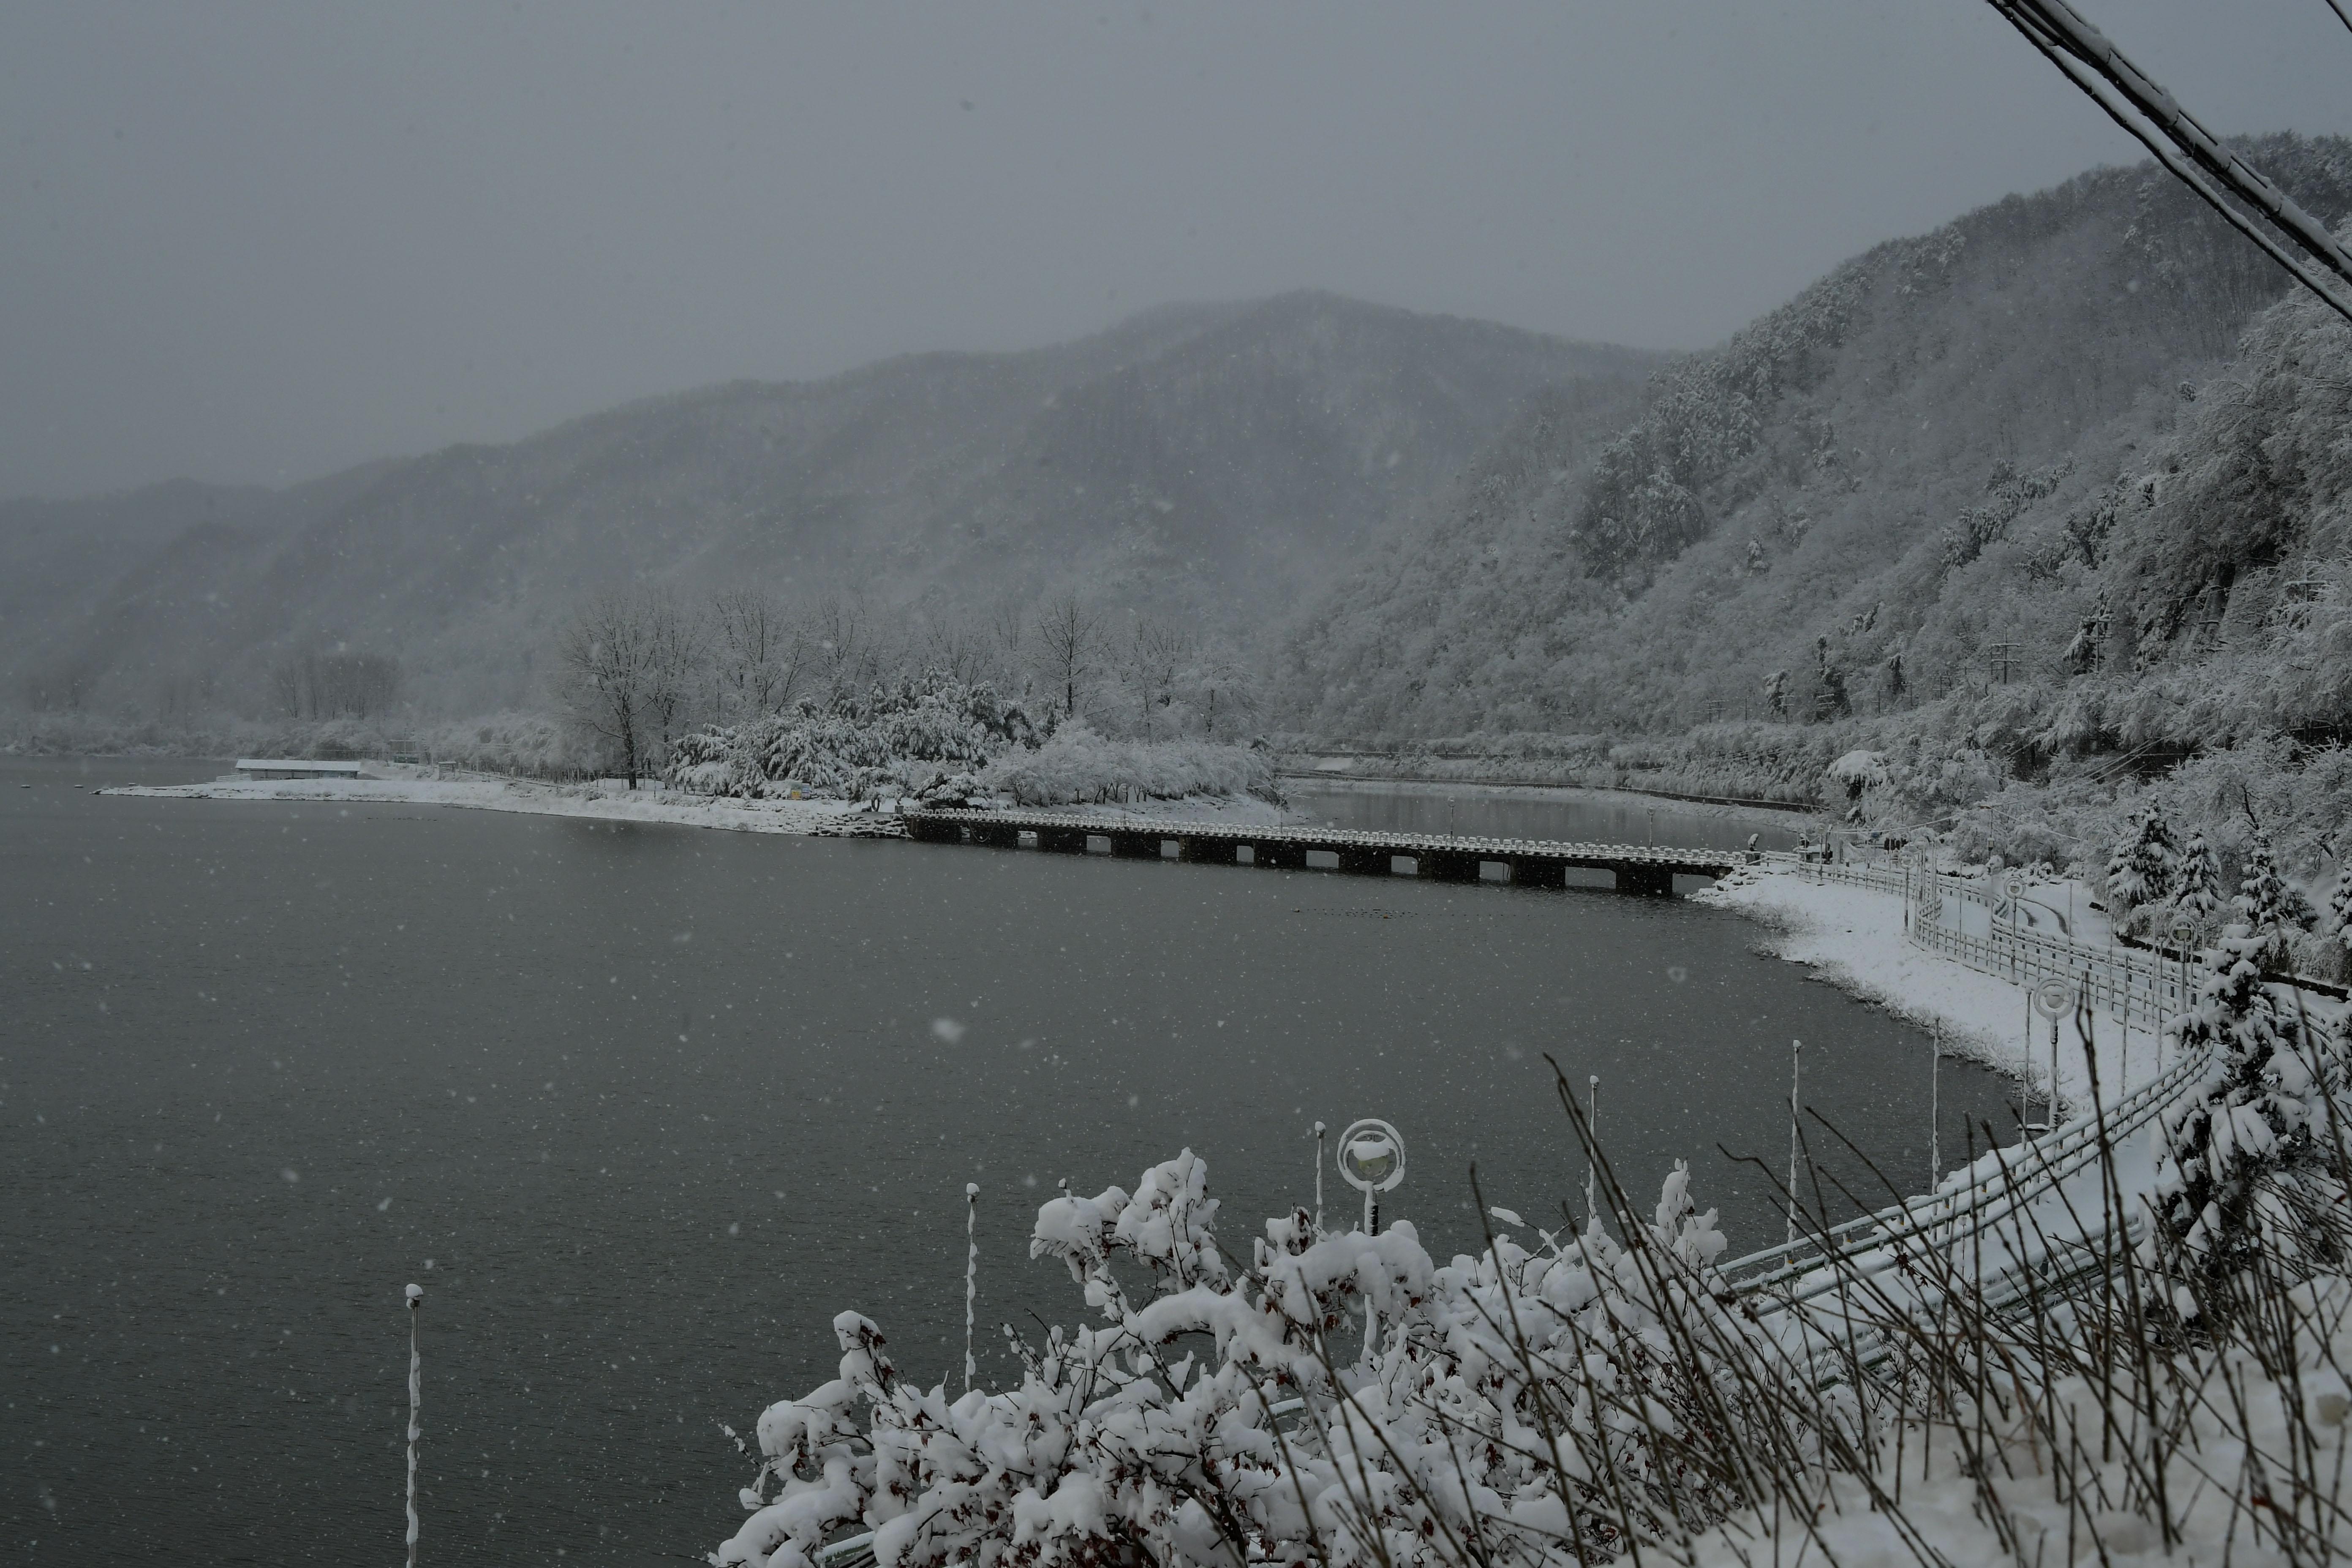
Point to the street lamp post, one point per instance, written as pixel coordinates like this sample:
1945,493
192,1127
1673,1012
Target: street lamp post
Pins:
1371,1158
2052,998
2014,886
2183,933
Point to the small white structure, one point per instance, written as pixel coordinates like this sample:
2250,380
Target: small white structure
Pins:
295,768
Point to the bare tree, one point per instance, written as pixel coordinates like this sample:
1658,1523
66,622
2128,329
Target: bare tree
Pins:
1230,693
1157,654
951,646
1008,627
64,686
628,657
758,652
680,648
1068,634
840,634
337,684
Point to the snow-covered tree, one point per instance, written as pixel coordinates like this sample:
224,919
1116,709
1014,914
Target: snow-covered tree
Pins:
2198,890
2140,871
629,661
758,654
2339,909
2274,1071
1069,635
2265,904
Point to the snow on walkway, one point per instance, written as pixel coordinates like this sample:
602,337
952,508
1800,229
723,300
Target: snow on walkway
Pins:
1853,936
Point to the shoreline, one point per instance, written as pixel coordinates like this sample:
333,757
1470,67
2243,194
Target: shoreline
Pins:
522,796
607,800
1852,938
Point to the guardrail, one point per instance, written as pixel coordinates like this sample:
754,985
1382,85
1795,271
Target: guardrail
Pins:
1946,1219
2119,978
1925,1237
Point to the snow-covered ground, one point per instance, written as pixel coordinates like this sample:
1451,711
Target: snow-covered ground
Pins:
1853,936
604,799
611,800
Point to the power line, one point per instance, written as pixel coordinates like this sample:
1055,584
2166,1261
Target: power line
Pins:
2194,155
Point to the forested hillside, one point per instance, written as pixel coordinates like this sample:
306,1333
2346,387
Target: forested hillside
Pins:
1213,463
1917,479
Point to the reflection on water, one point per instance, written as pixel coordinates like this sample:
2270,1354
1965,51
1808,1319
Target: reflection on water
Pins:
643,1108
1512,811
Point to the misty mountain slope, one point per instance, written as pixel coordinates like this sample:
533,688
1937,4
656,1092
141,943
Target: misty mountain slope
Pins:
1849,468
1218,460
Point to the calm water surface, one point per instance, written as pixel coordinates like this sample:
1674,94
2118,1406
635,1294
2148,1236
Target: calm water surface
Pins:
644,1108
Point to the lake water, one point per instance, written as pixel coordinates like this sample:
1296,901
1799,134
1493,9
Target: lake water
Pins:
644,1108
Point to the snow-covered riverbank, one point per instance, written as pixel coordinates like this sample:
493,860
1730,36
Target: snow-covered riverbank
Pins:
1854,937
603,800
611,800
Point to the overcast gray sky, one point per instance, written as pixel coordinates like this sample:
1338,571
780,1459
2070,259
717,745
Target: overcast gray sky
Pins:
246,242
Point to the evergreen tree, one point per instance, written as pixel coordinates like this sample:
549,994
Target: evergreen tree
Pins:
2198,892
2276,1070
2141,869
2339,909
2263,903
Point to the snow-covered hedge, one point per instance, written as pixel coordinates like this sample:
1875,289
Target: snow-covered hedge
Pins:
1078,766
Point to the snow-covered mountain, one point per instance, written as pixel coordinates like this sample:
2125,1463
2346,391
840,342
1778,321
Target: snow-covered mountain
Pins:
1212,461
1917,478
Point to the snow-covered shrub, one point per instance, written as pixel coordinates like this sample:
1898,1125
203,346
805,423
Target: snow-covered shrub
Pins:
1587,1398
1079,766
1492,1396
907,739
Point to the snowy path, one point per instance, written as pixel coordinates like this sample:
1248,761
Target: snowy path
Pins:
1854,937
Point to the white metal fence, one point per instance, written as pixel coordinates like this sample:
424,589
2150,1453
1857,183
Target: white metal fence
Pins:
2140,988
